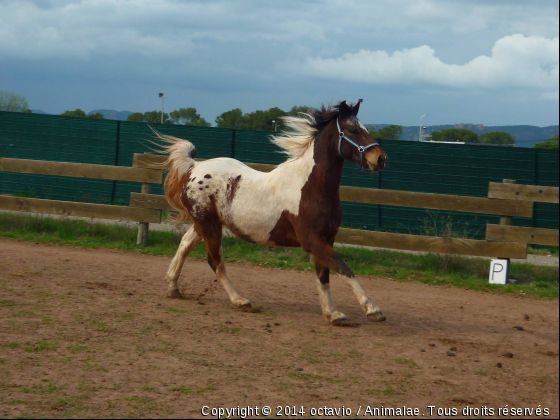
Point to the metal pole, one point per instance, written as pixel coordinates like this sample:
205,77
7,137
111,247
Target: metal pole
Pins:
420,128
162,102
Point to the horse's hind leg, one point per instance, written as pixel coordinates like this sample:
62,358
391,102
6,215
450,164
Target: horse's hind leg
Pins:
189,241
213,240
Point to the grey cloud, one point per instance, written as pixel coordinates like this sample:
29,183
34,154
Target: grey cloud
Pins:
224,53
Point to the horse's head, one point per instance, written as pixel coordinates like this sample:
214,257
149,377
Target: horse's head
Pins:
355,143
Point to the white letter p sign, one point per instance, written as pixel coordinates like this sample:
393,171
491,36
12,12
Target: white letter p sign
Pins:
499,271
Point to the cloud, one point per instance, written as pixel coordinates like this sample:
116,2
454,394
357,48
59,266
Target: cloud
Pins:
77,30
253,53
36,29
516,61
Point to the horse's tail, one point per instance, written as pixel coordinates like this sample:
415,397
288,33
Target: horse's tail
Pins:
180,159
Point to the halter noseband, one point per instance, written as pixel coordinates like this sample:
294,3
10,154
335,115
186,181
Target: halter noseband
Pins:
361,149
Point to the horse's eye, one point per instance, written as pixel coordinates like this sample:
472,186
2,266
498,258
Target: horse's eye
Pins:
353,130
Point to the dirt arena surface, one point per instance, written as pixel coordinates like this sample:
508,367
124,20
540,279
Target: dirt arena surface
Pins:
89,333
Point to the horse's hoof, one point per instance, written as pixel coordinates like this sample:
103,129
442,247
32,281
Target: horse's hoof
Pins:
376,317
337,318
174,294
245,307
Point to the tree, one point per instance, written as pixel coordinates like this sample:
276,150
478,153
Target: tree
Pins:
188,116
13,102
76,113
230,119
258,120
263,120
297,110
455,134
81,114
152,117
136,117
391,132
551,144
498,137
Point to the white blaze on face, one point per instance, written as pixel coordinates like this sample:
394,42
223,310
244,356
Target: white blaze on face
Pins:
361,125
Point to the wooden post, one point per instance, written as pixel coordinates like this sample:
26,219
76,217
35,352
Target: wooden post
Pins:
508,221
143,228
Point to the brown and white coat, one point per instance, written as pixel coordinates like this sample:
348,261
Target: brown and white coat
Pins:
295,205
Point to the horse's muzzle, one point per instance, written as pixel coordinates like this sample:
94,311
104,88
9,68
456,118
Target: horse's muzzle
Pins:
382,162
379,163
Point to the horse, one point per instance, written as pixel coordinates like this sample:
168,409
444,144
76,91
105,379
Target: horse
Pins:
295,205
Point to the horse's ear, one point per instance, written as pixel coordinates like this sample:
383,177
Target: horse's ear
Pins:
344,110
356,108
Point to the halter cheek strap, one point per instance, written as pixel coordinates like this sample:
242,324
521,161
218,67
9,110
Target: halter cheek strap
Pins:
361,149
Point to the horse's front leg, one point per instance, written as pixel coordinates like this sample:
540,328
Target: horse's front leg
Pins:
323,286
325,256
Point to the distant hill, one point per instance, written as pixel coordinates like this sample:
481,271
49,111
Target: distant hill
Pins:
110,114
525,135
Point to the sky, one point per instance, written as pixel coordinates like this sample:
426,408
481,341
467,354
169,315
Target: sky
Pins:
491,62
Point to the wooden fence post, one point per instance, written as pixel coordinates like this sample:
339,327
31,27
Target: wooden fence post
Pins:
143,228
508,221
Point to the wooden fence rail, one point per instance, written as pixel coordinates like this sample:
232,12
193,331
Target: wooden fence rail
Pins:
534,236
530,193
69,208
506,200
81,170
524,194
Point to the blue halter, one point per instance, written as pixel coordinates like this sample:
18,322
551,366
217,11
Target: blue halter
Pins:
361,149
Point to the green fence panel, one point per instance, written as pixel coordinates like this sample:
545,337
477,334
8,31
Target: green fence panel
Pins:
413,166
255,146
62,139
546,215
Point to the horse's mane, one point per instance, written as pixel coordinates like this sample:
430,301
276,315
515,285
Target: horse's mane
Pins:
301,131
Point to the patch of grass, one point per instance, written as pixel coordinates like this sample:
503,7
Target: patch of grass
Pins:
186,390
305,376
389,390
543,250
409,362
355,354
76,348
545,380
44,389
434,269
101,326
40,346
25,313
19,402
206,389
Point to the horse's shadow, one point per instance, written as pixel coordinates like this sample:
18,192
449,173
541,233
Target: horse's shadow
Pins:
403,324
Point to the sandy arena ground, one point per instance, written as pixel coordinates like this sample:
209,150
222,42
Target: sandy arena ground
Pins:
89,333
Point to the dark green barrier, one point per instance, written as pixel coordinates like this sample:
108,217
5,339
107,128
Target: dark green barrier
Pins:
422,167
